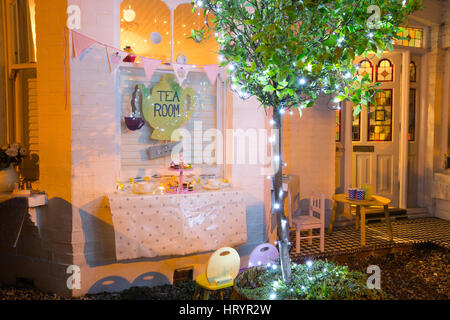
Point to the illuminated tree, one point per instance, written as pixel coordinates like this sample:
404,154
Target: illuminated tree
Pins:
287,53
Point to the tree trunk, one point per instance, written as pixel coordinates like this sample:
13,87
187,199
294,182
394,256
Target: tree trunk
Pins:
279,196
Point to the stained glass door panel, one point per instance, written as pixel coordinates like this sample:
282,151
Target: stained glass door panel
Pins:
380,117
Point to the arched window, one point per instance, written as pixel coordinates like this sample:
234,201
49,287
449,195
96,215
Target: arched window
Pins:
385,71
412,72
366,67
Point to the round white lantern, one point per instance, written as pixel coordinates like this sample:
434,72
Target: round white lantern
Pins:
155,38
181,59
129,15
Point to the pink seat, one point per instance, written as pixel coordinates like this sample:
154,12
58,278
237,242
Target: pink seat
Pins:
263,254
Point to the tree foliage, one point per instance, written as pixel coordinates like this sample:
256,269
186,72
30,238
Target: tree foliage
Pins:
288,52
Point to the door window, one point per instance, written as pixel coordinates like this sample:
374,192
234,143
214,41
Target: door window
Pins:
385,71
412,72
356,127
380,117
412,115
366,67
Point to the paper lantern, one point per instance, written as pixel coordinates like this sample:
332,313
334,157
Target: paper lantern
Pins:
181,59
129,15
155,38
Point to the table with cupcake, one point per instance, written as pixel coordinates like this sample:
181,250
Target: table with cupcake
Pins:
179,213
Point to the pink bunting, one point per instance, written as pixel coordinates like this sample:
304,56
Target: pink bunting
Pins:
115,58
81,43
181,72
150,67
212,71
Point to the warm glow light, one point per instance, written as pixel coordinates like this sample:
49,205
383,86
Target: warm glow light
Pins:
129,15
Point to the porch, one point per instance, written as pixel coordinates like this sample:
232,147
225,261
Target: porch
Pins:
346,239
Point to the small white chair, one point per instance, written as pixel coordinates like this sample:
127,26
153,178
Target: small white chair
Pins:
221,270
310,222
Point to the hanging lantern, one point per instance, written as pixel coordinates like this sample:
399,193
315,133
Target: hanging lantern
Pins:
155,38
129,15
181,59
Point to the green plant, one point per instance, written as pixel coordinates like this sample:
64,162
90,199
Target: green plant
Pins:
287,53
319,280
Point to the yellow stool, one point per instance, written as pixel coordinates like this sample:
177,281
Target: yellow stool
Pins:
221,270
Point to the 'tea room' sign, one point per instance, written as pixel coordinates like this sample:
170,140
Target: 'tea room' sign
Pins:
167,107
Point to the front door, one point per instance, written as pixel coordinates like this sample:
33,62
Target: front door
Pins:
376,130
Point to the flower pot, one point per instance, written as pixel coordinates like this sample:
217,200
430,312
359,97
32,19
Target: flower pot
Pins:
248,275
8,177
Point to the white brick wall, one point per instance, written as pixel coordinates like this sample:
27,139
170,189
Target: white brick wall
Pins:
247,114
95,125
311,151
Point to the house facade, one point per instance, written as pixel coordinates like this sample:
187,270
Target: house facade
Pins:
72,116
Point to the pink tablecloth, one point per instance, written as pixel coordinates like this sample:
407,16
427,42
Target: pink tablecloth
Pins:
177,224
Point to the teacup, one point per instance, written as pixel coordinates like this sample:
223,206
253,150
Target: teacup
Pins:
352,193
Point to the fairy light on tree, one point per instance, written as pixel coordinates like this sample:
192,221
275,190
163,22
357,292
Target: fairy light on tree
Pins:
276,44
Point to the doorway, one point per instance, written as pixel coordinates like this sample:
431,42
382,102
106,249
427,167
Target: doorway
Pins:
374,156
376,131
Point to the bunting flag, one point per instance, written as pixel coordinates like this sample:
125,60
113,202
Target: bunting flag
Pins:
212,71
81,43
114,58
181,72
150,67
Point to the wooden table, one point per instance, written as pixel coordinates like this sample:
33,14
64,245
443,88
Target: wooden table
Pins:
361,212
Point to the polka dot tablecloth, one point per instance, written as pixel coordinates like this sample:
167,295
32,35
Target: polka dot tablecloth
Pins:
148,226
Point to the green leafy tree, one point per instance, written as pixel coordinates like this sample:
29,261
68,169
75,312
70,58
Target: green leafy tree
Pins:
288,53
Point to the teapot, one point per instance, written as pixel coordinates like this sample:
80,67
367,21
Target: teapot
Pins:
167,107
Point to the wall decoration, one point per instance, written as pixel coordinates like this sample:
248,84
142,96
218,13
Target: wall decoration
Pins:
181,59
150,67
131,57
155,37
212,71
134,121
129,15
181,72
167,107
81,43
